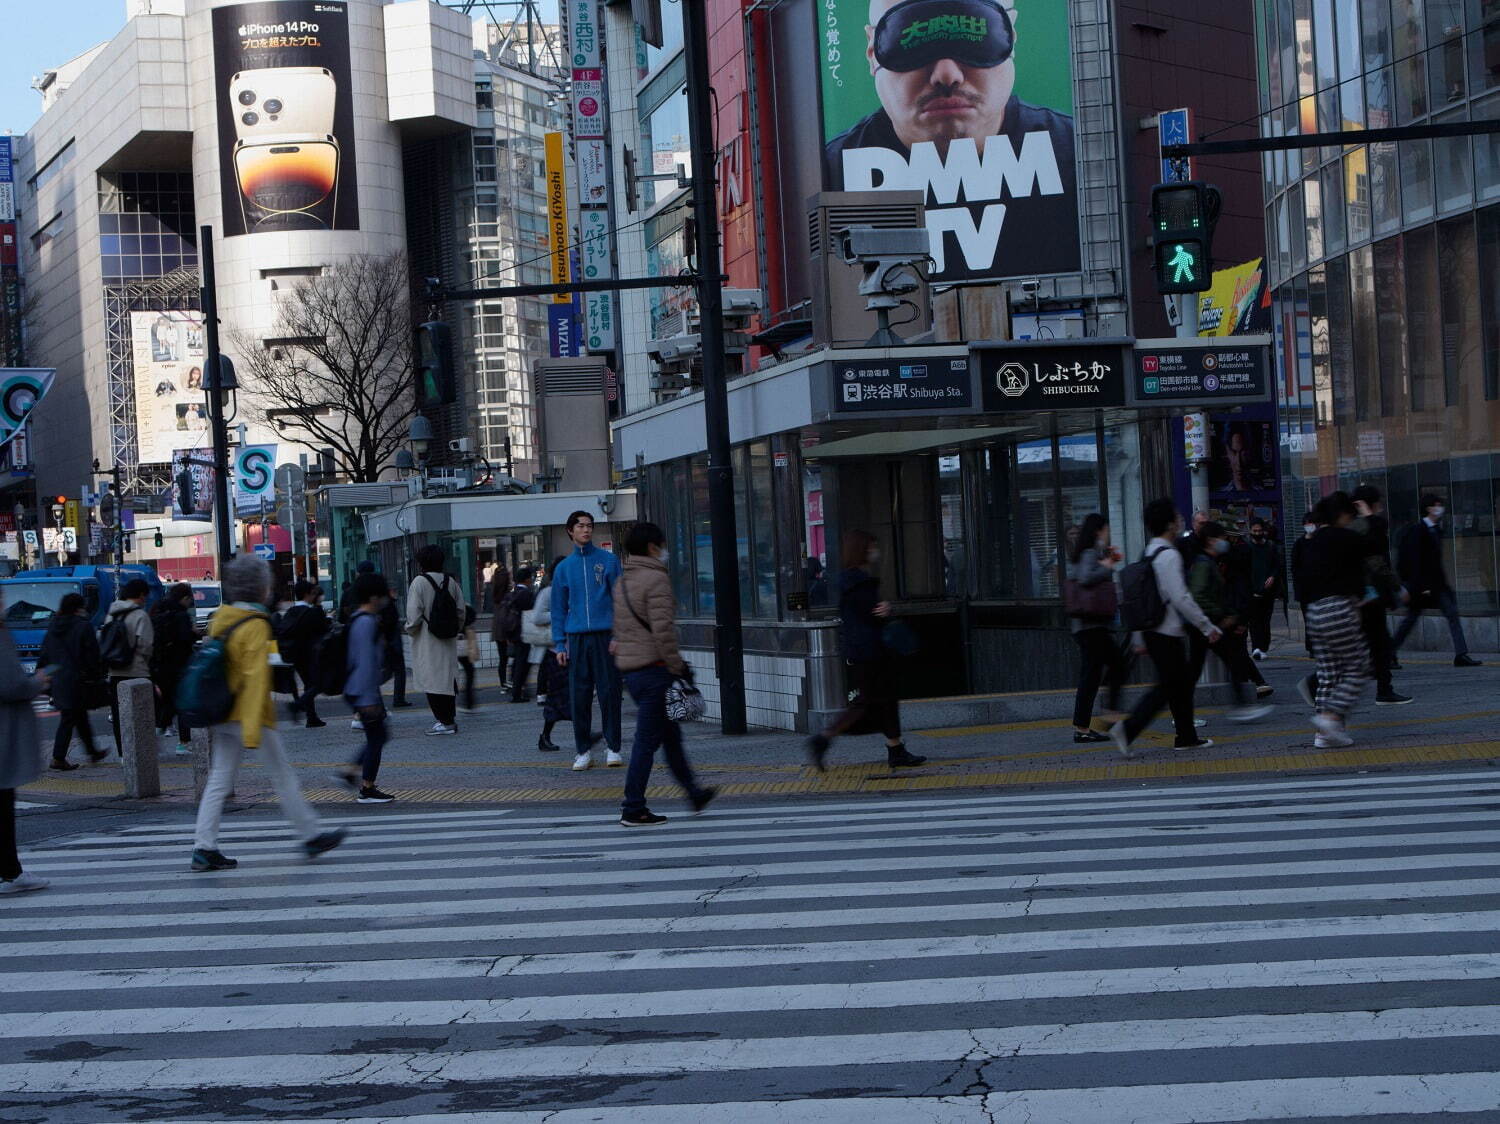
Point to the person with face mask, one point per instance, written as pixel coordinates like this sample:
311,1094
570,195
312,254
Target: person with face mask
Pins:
1210,590
646,652
1420,562
872,682
1299,548
1090,599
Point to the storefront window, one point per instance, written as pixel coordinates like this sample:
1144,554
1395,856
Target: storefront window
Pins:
1122,473
1036,520
1416,180
1390,309
1411,70
1472,502
1423,319
815,538
762,531
703,559
1458,273
951,512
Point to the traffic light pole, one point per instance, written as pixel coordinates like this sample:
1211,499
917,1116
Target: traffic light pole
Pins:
729,647
213,376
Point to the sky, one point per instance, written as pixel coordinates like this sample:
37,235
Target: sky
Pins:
47,34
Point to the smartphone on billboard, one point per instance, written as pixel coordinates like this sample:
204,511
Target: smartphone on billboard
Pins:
288,185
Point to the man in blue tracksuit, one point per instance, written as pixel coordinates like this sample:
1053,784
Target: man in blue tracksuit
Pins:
583,621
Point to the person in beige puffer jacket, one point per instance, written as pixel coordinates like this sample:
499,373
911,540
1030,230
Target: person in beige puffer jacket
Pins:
645,650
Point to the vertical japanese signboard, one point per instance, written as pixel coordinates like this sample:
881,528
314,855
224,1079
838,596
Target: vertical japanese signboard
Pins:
10,275
591,161
557,214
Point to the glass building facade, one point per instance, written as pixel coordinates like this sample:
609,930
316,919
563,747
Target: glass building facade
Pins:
1385,262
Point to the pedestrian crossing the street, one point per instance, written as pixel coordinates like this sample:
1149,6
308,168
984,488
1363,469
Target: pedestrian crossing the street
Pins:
1291,949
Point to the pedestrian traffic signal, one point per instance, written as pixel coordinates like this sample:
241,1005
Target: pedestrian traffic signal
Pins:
159,540
436,385
1182,230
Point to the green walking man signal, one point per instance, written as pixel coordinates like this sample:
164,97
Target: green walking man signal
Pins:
1182,229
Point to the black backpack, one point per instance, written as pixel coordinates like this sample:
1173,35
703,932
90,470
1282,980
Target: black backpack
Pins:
442,616
1141,606
116,647
288,629
203,695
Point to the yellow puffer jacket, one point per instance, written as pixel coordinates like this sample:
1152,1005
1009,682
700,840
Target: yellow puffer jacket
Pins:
249,670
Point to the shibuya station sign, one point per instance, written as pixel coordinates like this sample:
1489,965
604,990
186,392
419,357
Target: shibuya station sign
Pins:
1207,371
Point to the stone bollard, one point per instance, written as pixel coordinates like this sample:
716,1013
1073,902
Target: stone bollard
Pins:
138,738
201,742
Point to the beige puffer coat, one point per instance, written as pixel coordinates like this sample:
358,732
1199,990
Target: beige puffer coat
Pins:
643,597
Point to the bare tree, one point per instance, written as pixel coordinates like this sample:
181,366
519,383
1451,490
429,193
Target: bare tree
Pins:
336,369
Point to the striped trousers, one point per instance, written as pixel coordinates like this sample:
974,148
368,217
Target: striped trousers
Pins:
1343,655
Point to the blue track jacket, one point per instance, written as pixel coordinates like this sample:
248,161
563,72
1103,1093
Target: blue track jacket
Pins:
583,594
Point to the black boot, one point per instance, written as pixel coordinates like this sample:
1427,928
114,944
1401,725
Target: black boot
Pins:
899,758
546,744
817,752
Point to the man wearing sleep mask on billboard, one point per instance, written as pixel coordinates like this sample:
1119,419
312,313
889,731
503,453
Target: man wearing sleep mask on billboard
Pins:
940,84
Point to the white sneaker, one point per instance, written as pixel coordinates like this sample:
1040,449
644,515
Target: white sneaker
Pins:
22,883
1257,654
441,728
582,762
1199,723
356,724
1250,713
613,759
1331,733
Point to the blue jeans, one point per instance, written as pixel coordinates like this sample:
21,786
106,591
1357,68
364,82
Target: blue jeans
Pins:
592,671
648,687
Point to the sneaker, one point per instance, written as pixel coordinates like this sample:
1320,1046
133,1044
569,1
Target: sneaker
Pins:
1392,698
1250,713
356,724
184,749
97,755
1122,743
1257,654
700,799
441,729
613,759
644,818
1082,736
1264,691
1201,743
211,860
1307,687
582,762
314,723
23,883
327,841
1331,733
63,766
373,795
1467,661
401,704
1199,723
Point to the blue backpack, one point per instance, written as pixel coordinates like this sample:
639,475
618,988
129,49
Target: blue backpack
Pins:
203,696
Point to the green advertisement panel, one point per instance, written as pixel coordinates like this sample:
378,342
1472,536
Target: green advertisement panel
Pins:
970,101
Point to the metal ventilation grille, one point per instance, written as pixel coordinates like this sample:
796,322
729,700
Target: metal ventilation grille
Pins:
570,380
843,216
366,495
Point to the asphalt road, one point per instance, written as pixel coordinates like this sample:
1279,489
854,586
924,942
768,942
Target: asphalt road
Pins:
1271,949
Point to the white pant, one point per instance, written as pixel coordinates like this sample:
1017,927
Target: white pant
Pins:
225,764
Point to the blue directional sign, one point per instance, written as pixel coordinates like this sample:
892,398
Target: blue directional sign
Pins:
265,550
1175,126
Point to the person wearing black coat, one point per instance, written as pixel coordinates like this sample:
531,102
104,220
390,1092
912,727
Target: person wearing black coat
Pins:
1420,562
172,618
302,626
72,650
872,681
521,599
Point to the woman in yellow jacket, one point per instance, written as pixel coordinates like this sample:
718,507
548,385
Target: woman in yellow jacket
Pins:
252,722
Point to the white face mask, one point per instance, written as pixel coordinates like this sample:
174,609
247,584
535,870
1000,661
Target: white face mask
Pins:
662,557
1437,512
1309,528
1221,546
873,557
1102,541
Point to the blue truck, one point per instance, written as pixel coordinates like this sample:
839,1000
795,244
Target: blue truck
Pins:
32,597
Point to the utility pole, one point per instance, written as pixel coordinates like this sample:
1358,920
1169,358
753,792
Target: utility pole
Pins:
213,380
729,646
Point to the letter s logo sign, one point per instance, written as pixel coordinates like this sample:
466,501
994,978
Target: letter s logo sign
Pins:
255,470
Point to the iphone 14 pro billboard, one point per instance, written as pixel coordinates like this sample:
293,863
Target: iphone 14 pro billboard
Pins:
286,116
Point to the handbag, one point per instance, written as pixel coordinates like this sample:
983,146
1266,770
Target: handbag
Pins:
1094,602
684,701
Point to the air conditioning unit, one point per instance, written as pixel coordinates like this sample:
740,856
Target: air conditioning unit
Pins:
839,315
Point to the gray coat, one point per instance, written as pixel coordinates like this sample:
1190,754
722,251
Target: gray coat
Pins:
20,750
434,661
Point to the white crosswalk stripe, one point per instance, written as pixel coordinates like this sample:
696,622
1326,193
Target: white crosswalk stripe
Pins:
1299,949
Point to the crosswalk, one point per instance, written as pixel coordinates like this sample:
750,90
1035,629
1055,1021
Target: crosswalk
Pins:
1294,949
